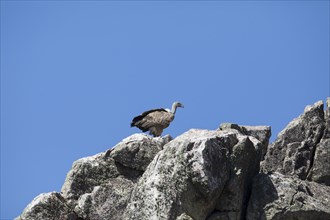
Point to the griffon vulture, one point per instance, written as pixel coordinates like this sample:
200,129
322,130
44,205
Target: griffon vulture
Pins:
155,120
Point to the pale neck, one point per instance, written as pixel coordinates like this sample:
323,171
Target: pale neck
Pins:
173,108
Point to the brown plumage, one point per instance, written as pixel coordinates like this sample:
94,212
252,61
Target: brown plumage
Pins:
155,120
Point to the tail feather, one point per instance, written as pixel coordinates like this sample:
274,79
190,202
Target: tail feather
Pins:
136,120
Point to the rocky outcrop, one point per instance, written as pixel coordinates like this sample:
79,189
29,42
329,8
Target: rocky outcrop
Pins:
202,174
98,187
277,196
48,206
262,133
320,171
302,149
296,178
196,175
106,201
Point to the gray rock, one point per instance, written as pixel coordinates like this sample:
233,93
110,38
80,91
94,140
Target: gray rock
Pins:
97,170
293,151
137,151
106,201
320,171
327,111
262,133
227,215
48,206
86,173
99,186
184,216
277,197
191,176
244,165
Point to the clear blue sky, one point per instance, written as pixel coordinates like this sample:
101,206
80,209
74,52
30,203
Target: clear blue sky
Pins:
74,74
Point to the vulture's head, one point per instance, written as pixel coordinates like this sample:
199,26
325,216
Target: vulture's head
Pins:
178,104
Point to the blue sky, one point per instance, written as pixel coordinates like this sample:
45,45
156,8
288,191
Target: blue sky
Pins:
74,74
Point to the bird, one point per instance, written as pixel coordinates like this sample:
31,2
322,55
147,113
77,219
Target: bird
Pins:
155,120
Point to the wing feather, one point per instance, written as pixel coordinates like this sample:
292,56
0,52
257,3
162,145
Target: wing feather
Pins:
155,121
144,114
